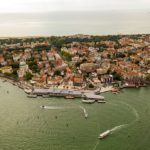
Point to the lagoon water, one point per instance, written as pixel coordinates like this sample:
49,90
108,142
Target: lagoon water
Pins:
68,23
24,125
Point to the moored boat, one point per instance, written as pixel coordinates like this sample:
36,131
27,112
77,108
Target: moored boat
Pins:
28,91
32,95
101,101
69,97
88,101
97,91
45,96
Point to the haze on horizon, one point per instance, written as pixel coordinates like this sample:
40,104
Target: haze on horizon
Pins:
29,6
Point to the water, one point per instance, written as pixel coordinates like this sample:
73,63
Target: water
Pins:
24,125
68,23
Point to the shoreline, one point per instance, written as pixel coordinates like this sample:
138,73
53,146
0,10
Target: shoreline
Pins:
29,89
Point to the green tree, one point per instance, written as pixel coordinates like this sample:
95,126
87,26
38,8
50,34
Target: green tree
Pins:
66,56
57,73
148,77
28,76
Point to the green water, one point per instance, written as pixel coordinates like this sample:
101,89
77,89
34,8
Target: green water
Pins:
25,126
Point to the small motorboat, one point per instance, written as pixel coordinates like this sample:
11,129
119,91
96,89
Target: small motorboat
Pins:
101,101
104,134
42,106
32,96
69,97
28,91
45,96
88,101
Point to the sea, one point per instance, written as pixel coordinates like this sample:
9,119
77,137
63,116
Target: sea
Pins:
61,125
70,23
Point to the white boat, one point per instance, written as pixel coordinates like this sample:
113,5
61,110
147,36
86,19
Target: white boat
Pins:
104,134
45,96
88,101
97,91
85,114
69,97
32,96
42,106
101,101
28,91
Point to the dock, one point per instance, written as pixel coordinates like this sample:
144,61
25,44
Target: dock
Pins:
67,92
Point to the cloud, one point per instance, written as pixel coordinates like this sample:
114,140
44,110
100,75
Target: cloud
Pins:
70,5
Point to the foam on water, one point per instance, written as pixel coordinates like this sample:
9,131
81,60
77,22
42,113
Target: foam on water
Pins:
52,107
137,117
95,146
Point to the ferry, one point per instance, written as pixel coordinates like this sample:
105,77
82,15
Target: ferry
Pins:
32,96
104,134
88,101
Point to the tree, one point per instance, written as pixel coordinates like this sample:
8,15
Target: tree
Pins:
148,77
116,76
33,66
15,65
91,86
28,76
57,72
66,55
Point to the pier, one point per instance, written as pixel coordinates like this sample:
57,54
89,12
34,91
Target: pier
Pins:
66,92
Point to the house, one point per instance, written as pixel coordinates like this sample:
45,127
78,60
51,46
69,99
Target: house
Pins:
78,80
6,69
23,68
89,67
54,80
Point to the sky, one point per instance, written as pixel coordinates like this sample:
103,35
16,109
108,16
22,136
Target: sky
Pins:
25,6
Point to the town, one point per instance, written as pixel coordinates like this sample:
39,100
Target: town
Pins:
79,62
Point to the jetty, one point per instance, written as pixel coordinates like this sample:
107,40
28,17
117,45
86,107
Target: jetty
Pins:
65,93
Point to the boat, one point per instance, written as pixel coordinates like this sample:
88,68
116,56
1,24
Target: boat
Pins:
28,91
32,95
104,134
42,106
14,83
115,90
45,96
69,97
88,101
86,115
101,101
4,80
97,91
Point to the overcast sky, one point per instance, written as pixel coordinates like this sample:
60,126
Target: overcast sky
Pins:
71,5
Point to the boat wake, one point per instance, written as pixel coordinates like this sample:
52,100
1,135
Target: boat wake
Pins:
95,146
84,111
137,117
118,127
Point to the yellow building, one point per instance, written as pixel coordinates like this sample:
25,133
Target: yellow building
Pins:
6,69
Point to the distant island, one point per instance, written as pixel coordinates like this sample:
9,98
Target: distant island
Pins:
82,62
